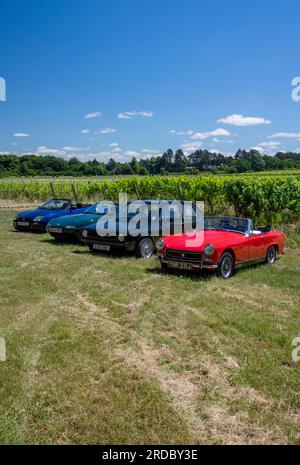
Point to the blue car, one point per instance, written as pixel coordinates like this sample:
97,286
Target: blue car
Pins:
37,220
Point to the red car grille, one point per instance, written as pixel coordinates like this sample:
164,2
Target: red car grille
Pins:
184,256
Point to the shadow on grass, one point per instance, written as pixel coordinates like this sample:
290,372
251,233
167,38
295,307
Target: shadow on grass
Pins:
84,250
113,254
27,231
203,275
61,242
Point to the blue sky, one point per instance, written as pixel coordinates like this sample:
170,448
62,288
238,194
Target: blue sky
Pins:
119,78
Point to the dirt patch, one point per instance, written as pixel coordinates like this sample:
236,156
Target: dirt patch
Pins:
133,307
184,390
93,313
180,387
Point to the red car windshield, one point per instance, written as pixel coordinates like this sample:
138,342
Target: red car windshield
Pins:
226,223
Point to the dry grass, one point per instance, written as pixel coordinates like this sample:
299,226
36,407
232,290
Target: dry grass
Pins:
106,349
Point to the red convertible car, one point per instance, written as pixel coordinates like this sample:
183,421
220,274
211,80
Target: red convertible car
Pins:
224,245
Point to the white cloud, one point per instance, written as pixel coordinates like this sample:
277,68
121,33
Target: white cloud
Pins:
134,113
131,153
85,131
206,135
47,151
258,149
215,151
95,114
21,134
123,116
104,156
287,135
190,147
70,149
153,152
85,153
15,144
100,156
240,120
189,132
268,148
216,140
4,153
269,145
108,131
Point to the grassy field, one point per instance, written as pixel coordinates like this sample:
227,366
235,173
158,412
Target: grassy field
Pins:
106,349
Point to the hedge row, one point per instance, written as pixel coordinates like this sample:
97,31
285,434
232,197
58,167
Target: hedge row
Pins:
262,198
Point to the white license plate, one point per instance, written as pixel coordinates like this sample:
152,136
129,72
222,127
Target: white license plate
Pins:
55,230
101,247
180,265
22,223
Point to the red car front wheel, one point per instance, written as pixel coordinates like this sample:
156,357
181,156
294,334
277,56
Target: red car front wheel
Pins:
226,266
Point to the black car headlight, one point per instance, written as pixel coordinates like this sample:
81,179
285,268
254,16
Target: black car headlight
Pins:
160,244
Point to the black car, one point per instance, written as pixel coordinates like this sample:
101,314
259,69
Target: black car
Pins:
160,218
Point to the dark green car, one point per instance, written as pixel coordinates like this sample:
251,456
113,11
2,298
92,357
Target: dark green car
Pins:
68,228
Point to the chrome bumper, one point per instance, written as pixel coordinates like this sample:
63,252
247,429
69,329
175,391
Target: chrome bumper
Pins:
199,266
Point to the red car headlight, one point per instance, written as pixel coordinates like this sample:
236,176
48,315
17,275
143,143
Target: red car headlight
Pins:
209,250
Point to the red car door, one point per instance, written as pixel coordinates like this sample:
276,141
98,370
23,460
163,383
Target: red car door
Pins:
256,246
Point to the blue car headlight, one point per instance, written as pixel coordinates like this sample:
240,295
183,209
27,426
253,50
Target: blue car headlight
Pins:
38,218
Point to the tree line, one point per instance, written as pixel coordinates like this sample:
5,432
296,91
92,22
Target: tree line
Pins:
168,163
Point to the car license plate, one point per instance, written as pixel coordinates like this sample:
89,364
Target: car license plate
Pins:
101,247
180,265
55,230
22,223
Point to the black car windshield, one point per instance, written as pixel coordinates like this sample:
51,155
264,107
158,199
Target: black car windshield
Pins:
98,209
226,223
56,204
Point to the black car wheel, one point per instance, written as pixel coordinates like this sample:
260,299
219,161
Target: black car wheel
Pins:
226,266
145,248
271,255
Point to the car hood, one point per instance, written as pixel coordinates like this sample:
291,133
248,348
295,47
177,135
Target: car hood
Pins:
112,227
77,221
31,214
201,238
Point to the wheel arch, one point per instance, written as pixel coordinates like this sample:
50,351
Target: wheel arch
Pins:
273,245
229,250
